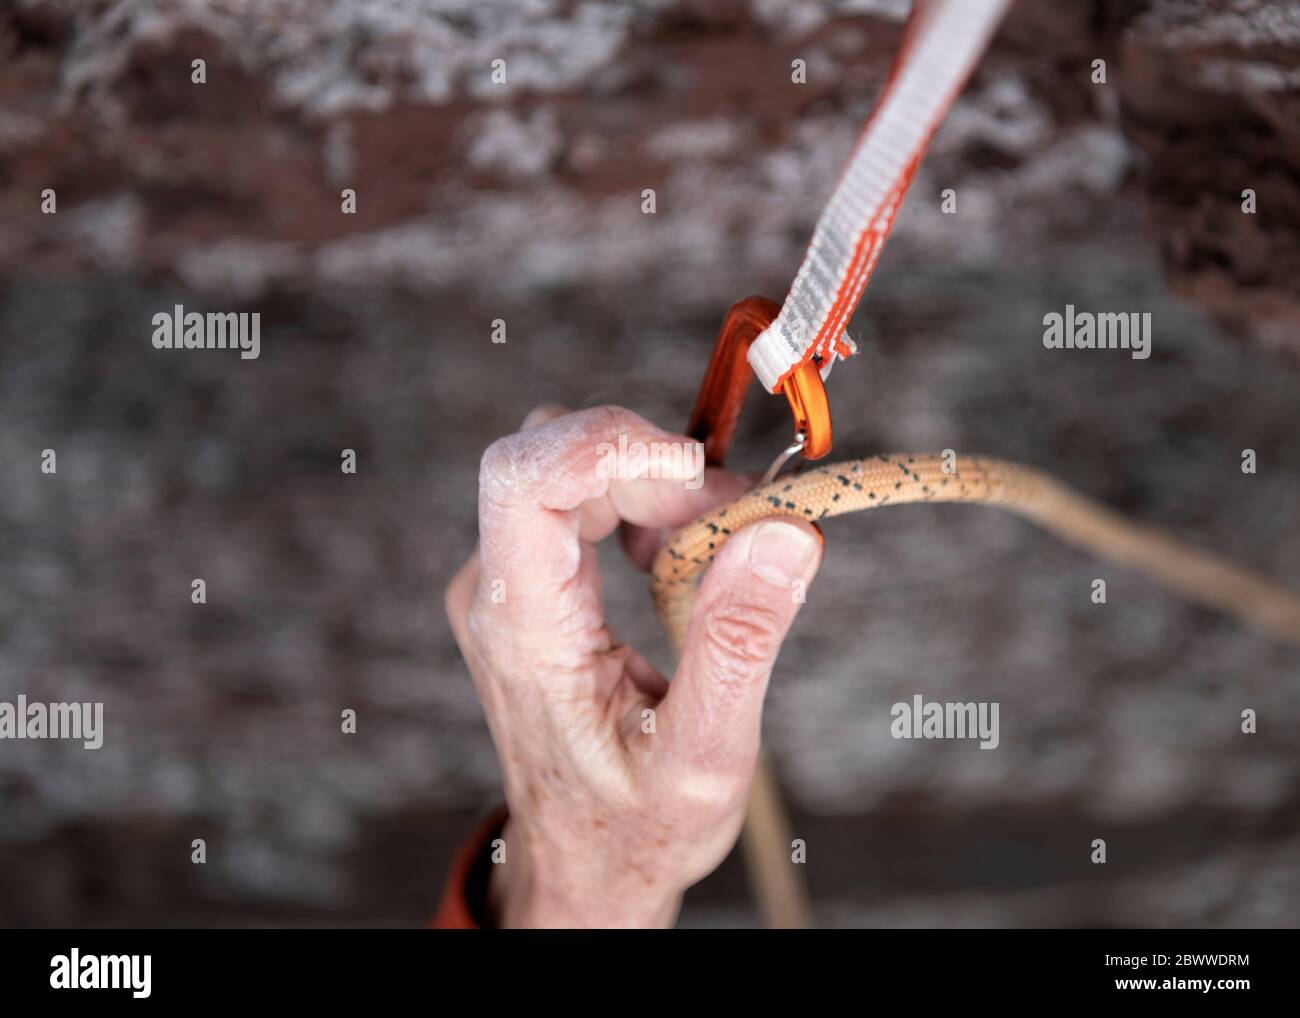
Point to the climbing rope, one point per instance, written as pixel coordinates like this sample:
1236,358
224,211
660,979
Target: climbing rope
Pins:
898,479
901,478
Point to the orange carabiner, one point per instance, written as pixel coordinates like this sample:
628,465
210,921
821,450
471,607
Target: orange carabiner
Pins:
722,394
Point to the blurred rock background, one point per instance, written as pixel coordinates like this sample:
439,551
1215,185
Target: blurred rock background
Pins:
522,202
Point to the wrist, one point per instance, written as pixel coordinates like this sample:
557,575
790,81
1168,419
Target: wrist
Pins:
524,892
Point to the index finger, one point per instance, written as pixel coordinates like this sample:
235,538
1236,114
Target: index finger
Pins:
532,486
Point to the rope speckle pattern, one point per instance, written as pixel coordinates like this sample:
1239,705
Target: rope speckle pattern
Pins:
902,478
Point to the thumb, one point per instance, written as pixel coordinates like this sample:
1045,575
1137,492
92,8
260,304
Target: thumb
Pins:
744,607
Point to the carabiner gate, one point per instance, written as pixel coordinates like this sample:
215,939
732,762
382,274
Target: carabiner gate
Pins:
722,394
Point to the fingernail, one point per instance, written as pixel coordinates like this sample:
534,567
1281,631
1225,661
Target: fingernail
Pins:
781,552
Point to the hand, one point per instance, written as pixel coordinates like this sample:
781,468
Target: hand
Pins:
612,817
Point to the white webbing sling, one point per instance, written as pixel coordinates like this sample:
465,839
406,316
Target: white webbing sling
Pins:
941,44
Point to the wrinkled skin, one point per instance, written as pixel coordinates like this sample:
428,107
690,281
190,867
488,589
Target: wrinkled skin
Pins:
610,823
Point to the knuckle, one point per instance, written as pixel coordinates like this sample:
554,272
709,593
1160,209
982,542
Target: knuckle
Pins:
713,791
610,414
499,468
452,601
457,597
515,467
741,639
609,419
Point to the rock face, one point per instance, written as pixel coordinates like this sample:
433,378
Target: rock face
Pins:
1212,95
522,201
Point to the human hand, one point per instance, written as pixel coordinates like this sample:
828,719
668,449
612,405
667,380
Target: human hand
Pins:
611,817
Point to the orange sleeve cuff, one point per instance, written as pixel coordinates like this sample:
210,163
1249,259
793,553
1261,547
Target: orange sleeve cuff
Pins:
464,900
